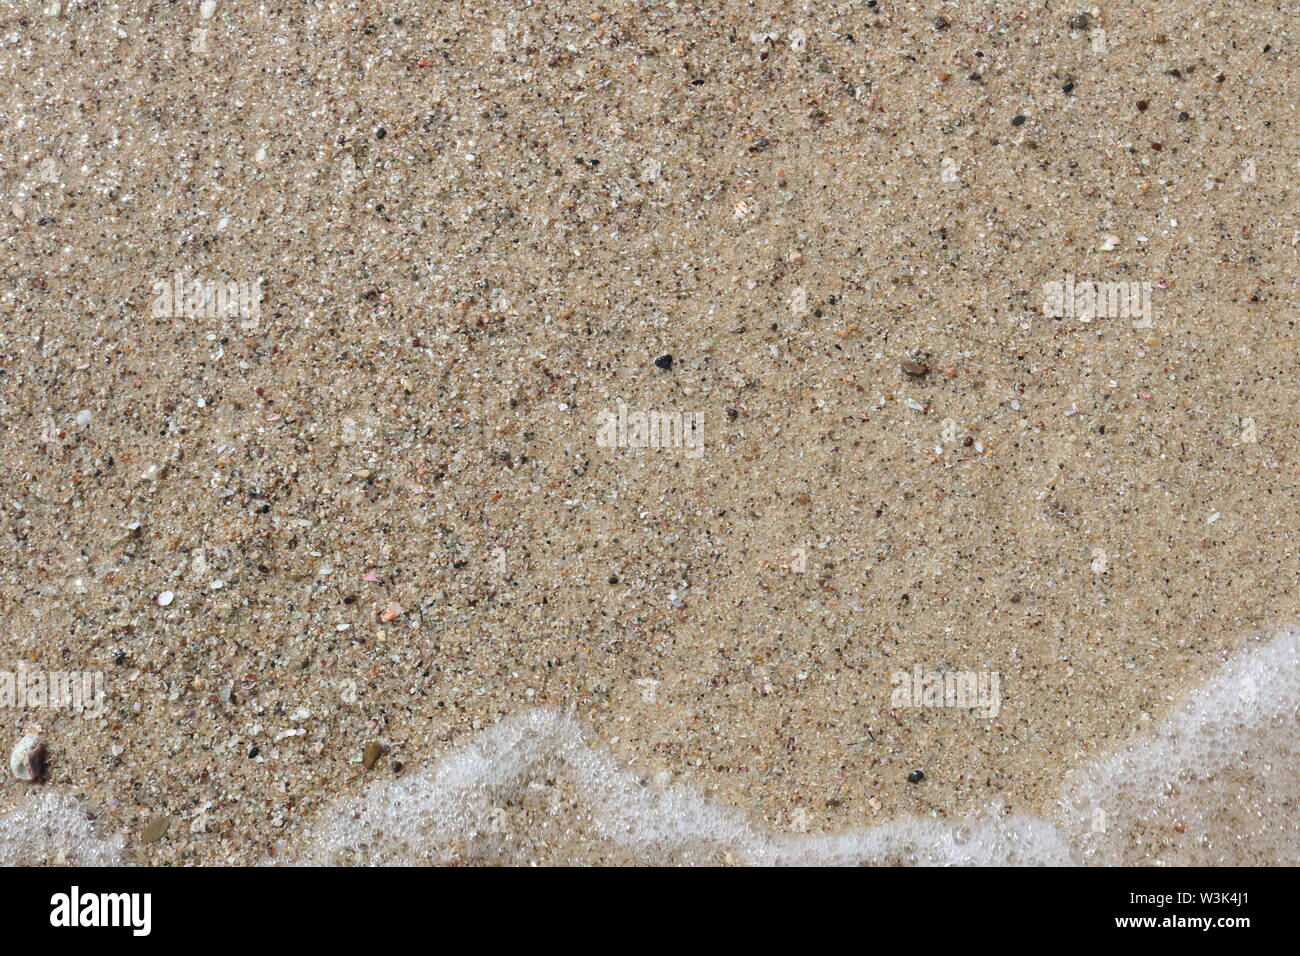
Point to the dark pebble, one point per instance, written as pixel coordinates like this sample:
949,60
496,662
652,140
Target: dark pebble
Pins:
381,133
914,369
1142,106
665,362
36,762
967,442
1018,120
916,776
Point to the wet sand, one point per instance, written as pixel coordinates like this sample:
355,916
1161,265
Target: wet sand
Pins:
380,504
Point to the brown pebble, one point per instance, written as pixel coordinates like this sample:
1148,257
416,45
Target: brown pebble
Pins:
967,442
155,829
914,369
372,754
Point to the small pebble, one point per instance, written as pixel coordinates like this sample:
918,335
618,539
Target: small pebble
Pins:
165,598
914,369
372,754
390,612
916,776
665,362
155,829
83,417
28,759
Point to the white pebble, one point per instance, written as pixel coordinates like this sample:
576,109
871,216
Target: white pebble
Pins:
83,417
207,8
27,762
165,598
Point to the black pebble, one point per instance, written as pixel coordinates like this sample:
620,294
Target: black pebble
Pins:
381,133
665,362
916,776
613,579
1018,120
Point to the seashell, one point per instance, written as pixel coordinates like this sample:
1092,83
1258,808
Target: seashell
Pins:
28,759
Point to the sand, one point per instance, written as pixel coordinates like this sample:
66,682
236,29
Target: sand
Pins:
379,498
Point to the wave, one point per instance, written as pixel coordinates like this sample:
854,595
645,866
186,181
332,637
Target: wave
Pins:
1214,782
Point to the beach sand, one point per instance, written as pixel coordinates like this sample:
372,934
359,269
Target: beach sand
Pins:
378,499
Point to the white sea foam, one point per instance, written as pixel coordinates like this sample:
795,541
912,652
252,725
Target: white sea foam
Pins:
1221,765
51,828
451,808
1210,783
